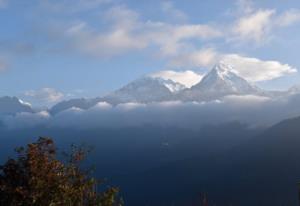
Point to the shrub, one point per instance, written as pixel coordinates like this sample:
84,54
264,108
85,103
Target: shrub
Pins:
37,178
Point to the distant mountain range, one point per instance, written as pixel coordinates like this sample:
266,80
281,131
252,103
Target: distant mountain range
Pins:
216,84
13,105
233,163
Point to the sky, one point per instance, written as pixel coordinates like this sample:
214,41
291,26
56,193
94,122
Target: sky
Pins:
52,50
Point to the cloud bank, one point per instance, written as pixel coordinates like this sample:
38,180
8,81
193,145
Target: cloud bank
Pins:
249,109
255,70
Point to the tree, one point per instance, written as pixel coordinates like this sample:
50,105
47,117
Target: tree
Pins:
37,178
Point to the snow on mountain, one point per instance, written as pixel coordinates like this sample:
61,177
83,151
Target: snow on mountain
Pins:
172,86
187,78
144,90
13,105
219,82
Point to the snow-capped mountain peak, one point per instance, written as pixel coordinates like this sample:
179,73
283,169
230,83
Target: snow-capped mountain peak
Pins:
174,87
220,81
146,89
223,78
222,70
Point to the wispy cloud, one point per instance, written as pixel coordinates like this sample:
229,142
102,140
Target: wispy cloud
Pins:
45,95
70,6
249,109
196,59
128,32
250,68
117,29
254,27
290,17
172,12
257,25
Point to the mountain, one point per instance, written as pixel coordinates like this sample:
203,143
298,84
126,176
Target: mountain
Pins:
13,105
264,170
219,82
81,103
145,90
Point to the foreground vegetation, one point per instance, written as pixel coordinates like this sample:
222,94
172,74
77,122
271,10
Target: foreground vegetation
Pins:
36,177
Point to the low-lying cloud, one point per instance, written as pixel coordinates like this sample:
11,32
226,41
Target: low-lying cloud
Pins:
249,109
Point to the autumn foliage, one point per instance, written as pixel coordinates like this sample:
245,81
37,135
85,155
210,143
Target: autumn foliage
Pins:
37,178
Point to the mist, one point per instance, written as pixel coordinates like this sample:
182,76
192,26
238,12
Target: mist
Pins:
255,111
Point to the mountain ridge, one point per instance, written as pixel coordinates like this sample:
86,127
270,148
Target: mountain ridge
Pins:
222,80
12,105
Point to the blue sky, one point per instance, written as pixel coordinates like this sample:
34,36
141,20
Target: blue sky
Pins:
58,49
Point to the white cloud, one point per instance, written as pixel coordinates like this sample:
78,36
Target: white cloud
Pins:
26,120
259,25
46,95
129,106
119,38
127,32
288,18
174,40
244,7
172,12
254,69
254,27
183,45
187,78
98,44
122,17
245,100
102,106
249,109
197,58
